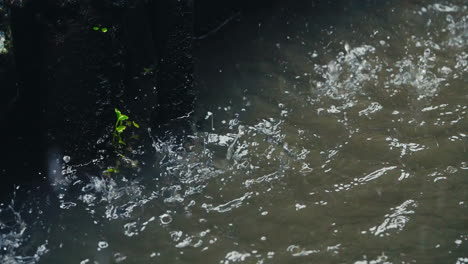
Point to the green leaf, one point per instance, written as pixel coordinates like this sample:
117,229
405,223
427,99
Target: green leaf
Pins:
95,28
118,112
123,117
122,142
111,170
104,30
120,129
135,124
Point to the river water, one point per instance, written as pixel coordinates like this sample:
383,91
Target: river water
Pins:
330,136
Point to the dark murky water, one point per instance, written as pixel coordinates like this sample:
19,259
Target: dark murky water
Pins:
323,139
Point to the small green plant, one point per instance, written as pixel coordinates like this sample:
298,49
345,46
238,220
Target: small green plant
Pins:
102,29
111,171
149,70
120,125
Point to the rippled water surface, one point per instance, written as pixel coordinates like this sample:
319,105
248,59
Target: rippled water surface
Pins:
322,137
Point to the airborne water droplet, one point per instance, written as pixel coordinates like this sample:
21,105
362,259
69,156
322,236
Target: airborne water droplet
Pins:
165,219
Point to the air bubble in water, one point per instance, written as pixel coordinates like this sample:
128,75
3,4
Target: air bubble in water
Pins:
165,219
102,245
427,52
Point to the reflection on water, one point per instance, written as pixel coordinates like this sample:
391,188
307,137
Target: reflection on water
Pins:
320,141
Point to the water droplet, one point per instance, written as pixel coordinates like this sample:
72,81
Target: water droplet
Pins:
165,219
102,245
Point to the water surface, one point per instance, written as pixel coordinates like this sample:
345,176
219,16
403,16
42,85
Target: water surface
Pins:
337,136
